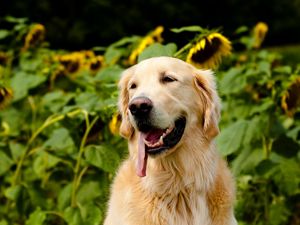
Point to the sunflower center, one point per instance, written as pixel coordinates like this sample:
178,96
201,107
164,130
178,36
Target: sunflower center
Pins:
211,47
293,99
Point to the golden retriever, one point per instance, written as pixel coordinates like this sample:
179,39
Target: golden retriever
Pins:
173,174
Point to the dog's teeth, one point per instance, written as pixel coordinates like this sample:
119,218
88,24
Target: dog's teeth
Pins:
161,138
169,130
161,141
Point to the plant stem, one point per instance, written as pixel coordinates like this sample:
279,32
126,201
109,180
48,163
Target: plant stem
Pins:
77,176
50,120
183,49
33,109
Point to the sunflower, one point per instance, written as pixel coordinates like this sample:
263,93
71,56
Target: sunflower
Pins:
208,51
154,36
5,96
114,124
96,63
88,54
35,36
72,62
290,99
260,30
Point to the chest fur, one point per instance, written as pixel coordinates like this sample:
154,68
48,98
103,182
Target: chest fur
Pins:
186,207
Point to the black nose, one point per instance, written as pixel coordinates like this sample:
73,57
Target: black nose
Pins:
140,106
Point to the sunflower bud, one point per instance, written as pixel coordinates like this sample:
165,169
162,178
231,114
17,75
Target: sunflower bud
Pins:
260,30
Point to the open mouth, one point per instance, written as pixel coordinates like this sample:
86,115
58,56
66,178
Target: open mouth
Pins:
159,140
156,141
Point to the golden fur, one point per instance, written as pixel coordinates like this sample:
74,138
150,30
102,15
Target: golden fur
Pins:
189,184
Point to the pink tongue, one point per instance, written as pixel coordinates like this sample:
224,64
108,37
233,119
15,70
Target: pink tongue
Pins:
142,156
154,135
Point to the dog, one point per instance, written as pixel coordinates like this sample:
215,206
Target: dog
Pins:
173,174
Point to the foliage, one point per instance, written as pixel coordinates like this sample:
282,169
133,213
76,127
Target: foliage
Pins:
260,136
59,149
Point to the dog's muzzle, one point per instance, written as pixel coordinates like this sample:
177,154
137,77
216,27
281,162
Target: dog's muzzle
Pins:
141,108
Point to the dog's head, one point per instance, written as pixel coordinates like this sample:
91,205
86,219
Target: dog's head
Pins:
163,100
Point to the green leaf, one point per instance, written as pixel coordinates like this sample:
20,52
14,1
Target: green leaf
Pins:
112,55
88,192
103,157
22,82
187,28
36,218
256,129
55,101
3,222
110,74
61,142
73,216
64,197
265,67
233,81
37,195
15,120
91,214
88,214
285,146
278,211
12,19
43,162
247,160
288,179
266,167
293,133
126,41
5,163
283,69
241,29
265,104
16,150
4,34
88,101
13,192
231,138
158,50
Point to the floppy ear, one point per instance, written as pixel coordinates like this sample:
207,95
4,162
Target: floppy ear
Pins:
206,87
126,129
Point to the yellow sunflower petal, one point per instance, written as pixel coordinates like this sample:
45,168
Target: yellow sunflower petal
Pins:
260,30
208,51
154,36
114,124
34,36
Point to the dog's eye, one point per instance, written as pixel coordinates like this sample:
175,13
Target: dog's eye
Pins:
168,79
132,86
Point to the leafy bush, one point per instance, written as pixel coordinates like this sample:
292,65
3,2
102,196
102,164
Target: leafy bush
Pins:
59,147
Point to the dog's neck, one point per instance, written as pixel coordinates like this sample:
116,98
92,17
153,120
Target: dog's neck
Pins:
188,167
